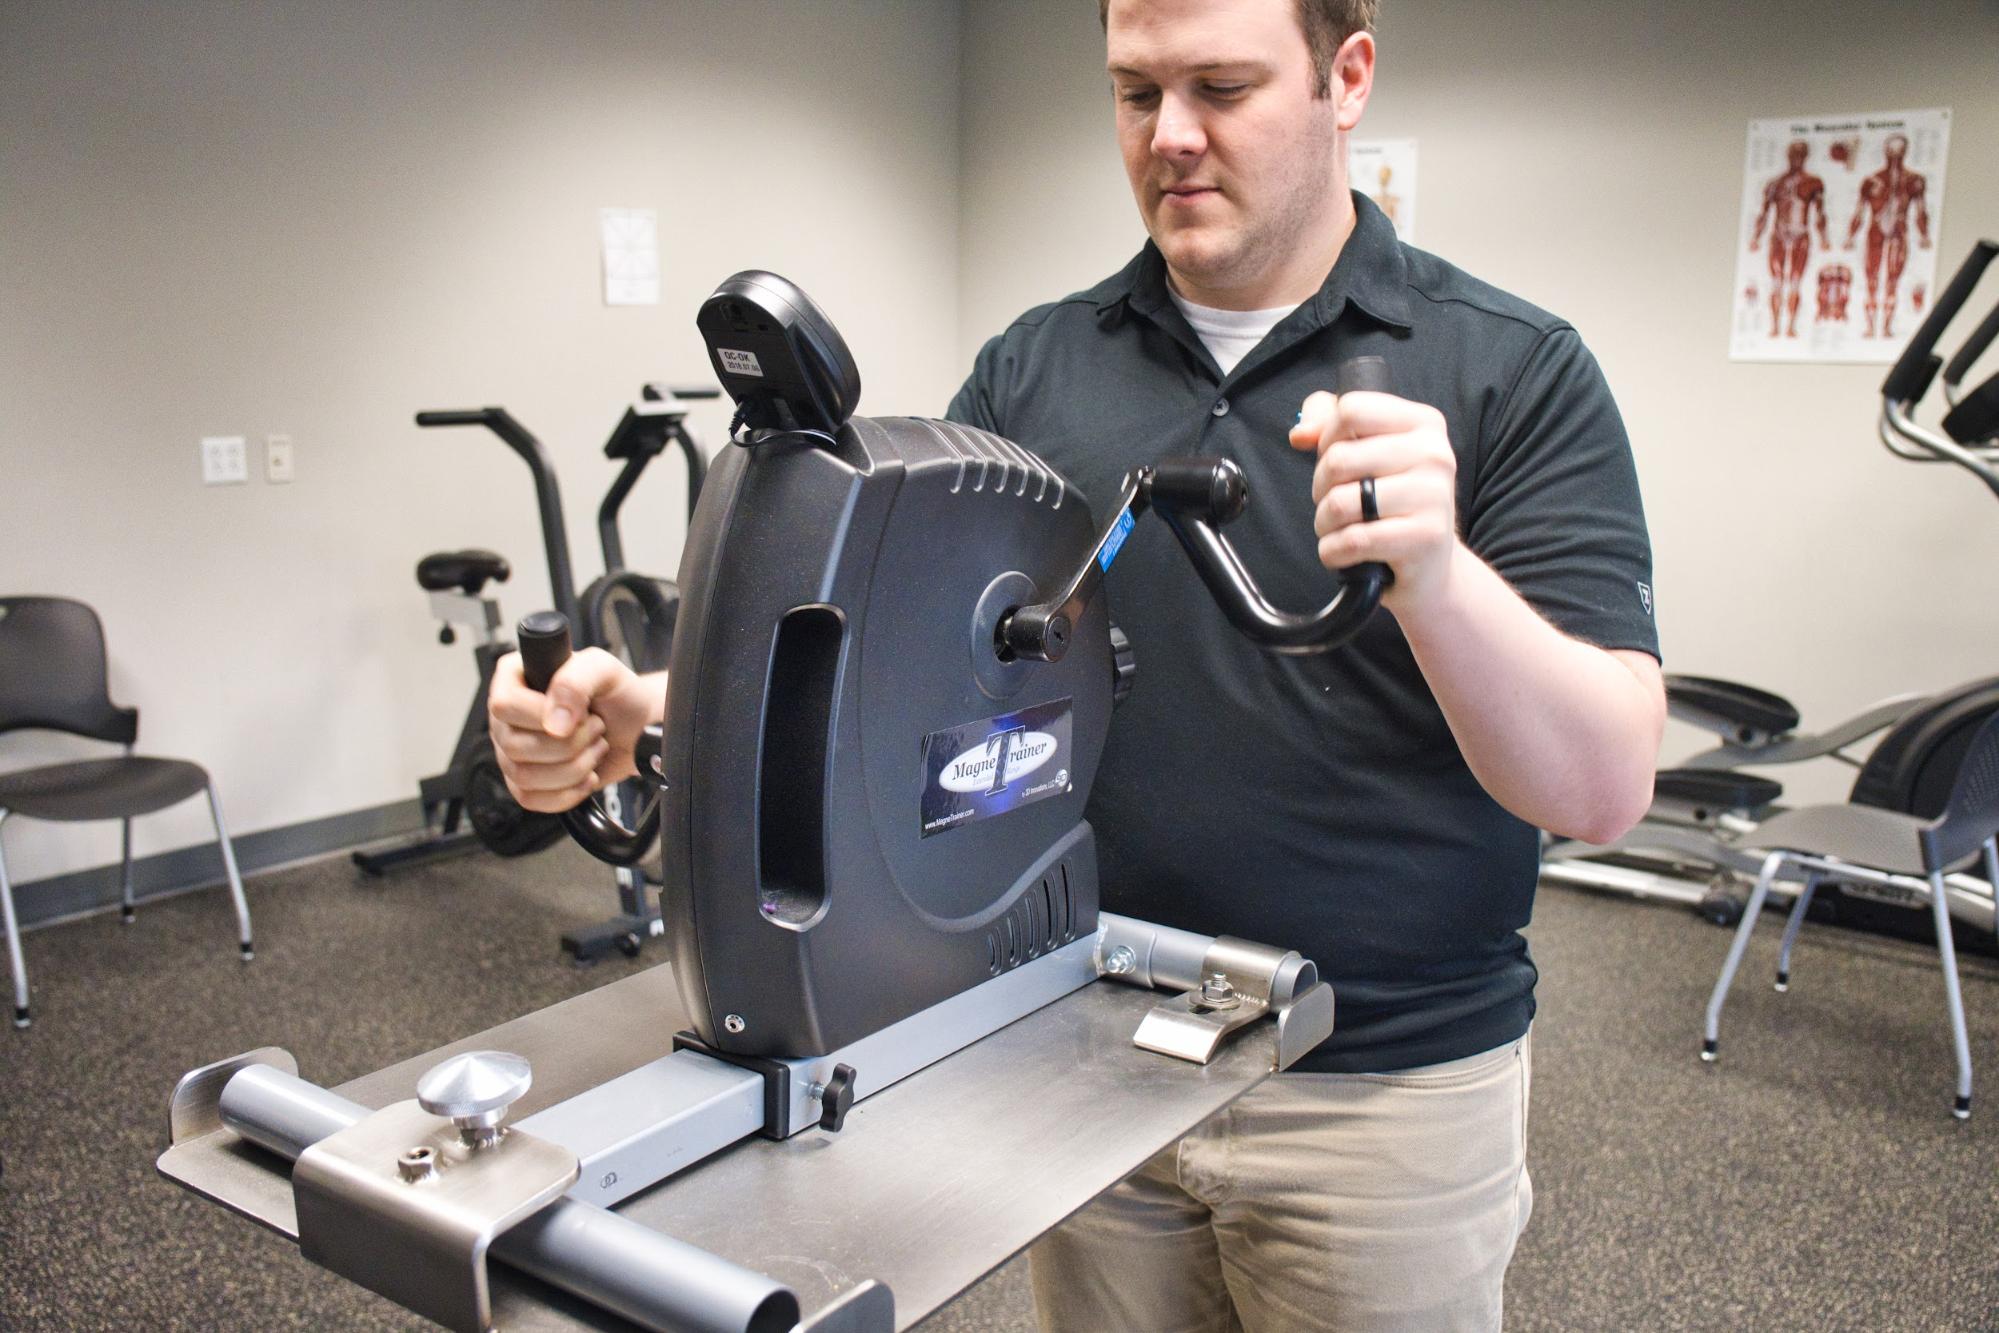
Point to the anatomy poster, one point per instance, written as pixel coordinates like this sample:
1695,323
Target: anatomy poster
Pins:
1385,171
1836,256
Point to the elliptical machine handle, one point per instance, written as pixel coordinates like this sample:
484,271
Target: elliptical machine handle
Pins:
1910,377
544,643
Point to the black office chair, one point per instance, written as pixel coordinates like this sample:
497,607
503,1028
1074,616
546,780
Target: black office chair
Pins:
52,676
1870,845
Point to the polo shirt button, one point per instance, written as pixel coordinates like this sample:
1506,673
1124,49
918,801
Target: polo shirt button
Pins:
1221,407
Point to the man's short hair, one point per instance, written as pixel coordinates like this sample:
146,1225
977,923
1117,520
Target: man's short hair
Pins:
1325,23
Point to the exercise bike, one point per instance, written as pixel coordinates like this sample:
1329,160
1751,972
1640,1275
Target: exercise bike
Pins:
1697,844
622,611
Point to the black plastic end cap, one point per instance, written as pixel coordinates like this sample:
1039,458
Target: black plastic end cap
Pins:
247,951
1710,1050
1210,489
1038,634
1367,374
21,1018
1962,1108
128,914
545,646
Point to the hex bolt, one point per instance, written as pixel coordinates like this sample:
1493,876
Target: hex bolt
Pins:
1121,961
1216,992
473,1091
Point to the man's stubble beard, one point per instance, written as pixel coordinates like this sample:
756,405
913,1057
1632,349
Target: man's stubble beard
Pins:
1257,244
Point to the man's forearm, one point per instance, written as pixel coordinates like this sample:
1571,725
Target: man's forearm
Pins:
1561,733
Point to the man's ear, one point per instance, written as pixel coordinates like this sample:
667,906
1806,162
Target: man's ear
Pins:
1352,78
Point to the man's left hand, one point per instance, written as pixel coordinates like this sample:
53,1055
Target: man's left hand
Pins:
1406,448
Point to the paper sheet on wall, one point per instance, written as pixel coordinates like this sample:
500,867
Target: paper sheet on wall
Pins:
1385,171
631,255
1836,257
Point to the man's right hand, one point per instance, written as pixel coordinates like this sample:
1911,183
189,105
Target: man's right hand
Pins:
555,749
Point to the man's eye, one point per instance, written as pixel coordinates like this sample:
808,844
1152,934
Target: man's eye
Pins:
1138,96
1227,90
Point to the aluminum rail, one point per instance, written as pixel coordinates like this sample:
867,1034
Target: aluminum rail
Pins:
631,1270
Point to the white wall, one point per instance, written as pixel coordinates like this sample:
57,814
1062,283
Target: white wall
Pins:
312,219
1588,157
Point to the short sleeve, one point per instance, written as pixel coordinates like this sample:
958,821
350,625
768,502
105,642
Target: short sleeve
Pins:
1555,508
977,402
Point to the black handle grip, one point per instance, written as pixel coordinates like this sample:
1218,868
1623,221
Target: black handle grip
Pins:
1362,374
544,645
1366,374
455,416
1910,378
1972,348
1975,419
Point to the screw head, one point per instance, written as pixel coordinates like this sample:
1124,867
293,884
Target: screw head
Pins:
1121,961
733,1024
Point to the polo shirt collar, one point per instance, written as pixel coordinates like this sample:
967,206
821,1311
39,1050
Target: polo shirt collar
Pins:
1370,274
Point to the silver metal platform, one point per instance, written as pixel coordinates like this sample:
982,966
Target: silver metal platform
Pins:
932,1184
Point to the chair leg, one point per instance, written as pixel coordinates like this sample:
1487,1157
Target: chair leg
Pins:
235,880
1711,1043
1797,919
15,961
1947,950
129,910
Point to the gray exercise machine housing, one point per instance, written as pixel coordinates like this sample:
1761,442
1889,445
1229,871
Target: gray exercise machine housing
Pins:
841,918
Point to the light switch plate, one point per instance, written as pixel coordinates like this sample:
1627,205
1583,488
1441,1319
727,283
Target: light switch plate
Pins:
278,459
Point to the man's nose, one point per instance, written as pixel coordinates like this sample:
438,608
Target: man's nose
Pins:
1177,133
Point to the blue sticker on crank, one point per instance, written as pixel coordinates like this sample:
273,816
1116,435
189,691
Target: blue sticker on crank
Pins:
1115,542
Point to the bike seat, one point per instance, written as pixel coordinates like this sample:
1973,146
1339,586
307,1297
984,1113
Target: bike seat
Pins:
1716,789
467,571
1737,705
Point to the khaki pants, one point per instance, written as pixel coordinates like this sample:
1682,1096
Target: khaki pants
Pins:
1317,1201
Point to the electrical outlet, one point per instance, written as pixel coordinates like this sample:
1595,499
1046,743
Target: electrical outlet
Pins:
277,459
223,460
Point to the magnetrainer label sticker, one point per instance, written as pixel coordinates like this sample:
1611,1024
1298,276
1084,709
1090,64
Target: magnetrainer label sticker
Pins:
1115,542
739,363
987,768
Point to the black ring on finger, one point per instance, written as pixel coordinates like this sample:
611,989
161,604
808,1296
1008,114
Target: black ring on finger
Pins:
1369,510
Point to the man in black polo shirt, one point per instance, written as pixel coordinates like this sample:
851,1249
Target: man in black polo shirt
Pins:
1376,807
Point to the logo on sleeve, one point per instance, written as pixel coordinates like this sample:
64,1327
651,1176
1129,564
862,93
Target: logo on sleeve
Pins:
1645,597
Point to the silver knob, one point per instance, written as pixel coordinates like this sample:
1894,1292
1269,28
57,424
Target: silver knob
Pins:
474,1090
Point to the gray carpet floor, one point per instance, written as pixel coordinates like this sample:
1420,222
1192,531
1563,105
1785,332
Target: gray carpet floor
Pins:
1813,1180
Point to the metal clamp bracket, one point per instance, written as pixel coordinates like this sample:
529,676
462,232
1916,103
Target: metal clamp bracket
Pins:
1240,983
403,1205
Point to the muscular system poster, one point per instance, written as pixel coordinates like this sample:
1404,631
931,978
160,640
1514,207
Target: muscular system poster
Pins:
1836,255
1385,171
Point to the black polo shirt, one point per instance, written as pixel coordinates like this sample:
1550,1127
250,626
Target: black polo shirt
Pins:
1320,803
